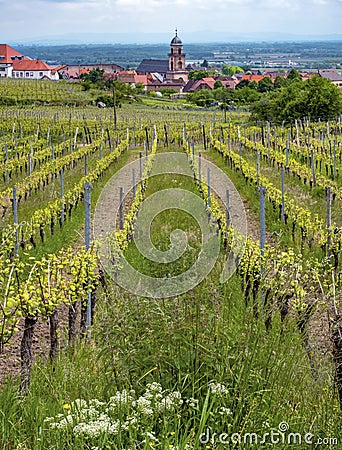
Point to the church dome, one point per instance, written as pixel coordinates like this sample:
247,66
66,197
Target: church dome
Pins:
176,40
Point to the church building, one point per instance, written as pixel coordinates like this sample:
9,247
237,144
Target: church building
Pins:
170,70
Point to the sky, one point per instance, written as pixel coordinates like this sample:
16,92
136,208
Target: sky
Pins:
29,20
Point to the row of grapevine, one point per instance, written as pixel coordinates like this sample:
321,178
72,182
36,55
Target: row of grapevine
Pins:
52,213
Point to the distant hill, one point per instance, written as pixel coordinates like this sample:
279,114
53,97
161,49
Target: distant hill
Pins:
158,38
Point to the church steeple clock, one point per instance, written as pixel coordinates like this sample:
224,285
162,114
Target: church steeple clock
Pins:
177,60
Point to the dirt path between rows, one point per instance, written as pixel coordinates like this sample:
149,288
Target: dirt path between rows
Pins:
10,357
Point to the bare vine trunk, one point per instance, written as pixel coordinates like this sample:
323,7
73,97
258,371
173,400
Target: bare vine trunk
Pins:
337,355
25,354
53,334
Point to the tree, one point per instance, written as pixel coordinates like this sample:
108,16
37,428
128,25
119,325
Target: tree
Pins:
205,63
246,95
246,83
167,92
197,74
265,85
224,96
231,70
322,98
263,110
218,84
204,97
315,98
139,88
293,75
94,76
279,82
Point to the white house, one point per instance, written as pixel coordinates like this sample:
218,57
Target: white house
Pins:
33,70
15,65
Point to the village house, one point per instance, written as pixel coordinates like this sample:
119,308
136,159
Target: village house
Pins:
209,83
132,77
74,71
16,65
333,76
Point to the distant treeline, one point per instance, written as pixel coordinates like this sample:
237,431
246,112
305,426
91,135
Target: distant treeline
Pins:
322,54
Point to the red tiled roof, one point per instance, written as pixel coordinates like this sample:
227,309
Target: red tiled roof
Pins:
228,84
131,76
31,65
127,72
84,70
252,77
127,76
57,69
306,75
140,79
7,53
204,83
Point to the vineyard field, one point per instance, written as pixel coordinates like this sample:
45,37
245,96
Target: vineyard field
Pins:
170,278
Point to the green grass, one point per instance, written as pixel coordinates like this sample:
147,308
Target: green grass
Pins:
184,343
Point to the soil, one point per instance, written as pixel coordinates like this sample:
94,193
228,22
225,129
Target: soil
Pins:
10,358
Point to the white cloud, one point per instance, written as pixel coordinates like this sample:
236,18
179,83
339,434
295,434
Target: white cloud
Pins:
135,16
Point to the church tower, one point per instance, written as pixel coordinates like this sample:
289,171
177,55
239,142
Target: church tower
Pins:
177,68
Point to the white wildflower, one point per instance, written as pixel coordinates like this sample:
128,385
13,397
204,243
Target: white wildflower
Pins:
170,402
151,436
49,419
79,404
192,402
143,405
218,389
225,411
120,398
129,422
67,420
154,387
94,402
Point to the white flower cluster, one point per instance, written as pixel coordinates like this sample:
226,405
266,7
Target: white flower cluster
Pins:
97,427
170,402
122,412
120,399
154,388
218,389
143,405
65,421
151,437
